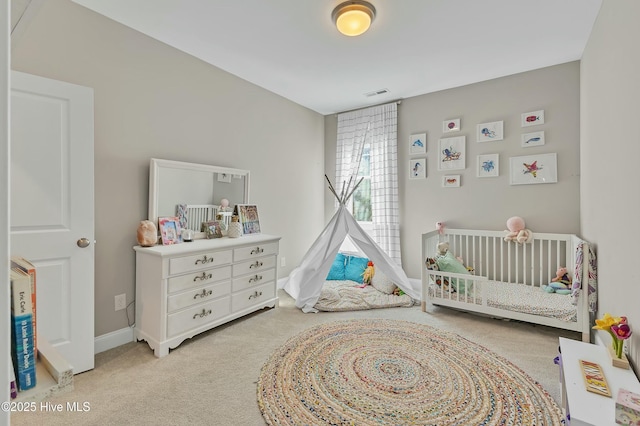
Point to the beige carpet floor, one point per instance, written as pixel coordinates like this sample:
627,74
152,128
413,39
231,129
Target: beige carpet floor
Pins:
211,379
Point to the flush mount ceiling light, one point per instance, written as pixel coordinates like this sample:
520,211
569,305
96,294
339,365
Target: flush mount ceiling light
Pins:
353,18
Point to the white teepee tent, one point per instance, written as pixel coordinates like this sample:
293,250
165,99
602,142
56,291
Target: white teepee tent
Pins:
306,281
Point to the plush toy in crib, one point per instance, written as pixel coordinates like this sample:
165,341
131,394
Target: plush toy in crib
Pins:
517,231
440,227
432,265
561,284
443,249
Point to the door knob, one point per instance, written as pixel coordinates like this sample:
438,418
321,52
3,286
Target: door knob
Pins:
83,242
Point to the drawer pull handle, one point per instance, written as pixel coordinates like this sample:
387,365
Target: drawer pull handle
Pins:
255,278
255,294
204,294
256,265
202,277
202,314
257,250
205,259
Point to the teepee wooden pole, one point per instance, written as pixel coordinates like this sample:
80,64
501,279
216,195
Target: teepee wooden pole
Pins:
353,190
331,188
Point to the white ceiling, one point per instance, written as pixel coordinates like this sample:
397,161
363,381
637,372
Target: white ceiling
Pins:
290,47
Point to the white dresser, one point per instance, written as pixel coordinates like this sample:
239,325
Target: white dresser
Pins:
185,289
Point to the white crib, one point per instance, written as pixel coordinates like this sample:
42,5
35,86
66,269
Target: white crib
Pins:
508,277
196,214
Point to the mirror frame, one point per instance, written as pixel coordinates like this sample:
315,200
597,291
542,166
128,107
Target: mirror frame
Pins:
156,165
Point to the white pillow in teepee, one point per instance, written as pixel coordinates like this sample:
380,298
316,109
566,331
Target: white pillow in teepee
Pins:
382,283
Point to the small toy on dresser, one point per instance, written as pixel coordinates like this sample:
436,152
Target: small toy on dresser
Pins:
628,408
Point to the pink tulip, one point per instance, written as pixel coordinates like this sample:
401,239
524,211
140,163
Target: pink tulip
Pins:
621,331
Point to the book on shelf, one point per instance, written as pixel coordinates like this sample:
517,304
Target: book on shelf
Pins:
13,388
22,351
26,266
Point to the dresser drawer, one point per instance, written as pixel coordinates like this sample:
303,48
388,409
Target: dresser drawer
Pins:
254,266
247,298
198,295
251,252
252,280
180,265
197,279
197,316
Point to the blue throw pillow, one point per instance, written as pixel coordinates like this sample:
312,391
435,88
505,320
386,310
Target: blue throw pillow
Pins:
355,268
337,268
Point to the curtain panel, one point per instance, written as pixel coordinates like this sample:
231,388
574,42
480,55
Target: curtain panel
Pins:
376,126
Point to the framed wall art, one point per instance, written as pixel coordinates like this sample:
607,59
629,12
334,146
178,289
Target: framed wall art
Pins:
249,219
451,181
169,230
532,169
418,143
418,168
488,165
451,153
487,132
532,118
452,125
532,139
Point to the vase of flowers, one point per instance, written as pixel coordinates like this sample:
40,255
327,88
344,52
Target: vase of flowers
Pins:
620,331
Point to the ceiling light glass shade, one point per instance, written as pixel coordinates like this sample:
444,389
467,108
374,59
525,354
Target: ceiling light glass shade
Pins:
353,18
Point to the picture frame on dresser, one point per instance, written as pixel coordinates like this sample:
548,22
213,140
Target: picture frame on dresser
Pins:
170,230
212,229
249,218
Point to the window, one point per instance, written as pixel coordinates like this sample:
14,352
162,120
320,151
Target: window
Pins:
362,195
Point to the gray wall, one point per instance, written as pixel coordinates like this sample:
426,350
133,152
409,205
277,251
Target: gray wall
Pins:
610,149
486,203
154,101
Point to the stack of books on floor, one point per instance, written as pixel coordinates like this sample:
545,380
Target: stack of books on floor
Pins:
23,325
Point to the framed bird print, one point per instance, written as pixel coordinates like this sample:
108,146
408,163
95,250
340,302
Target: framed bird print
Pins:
418,143
451,153
532,169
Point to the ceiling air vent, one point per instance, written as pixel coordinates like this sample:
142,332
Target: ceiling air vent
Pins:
376,92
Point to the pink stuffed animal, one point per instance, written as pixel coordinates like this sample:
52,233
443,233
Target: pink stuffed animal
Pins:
517,231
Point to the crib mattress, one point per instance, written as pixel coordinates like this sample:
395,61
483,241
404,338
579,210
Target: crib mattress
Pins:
517,298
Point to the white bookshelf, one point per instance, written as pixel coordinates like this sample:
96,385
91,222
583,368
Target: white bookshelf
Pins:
587,408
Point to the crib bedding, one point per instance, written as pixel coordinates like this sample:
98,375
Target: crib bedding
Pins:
345,295
517,298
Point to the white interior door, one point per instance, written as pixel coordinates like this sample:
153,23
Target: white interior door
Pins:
52,207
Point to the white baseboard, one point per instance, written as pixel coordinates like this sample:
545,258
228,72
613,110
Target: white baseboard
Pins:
282,282
113,340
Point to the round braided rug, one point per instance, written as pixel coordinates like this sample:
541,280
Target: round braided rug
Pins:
378,372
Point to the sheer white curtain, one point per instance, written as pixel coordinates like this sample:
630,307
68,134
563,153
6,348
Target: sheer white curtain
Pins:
378,127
